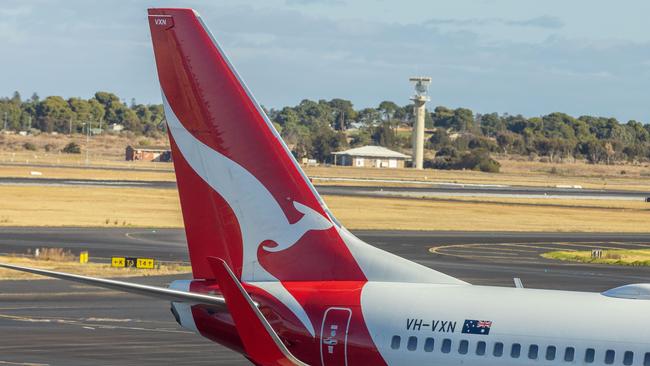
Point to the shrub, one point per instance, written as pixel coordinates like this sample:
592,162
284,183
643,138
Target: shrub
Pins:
489,165
49,147
447,151
474,160
54,254
72,148
144,142
29,146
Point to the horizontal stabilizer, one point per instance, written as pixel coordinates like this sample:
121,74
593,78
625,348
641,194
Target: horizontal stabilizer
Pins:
261,343
636,291
150,291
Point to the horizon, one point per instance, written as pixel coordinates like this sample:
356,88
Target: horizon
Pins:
487,56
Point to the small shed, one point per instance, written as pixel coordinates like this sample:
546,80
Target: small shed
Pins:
116,127
148,153
370,157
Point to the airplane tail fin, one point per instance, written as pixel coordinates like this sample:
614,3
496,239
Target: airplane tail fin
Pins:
244,197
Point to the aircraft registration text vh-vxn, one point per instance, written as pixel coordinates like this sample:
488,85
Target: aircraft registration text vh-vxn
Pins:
278,279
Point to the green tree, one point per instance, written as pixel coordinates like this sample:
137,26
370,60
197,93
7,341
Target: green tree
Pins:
387,110
325,141
384,135
492,124
53,114
343,113
111,104
439,138
369,117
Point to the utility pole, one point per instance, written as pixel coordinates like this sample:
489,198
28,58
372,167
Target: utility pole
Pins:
30,124
5,121
70,126
87,141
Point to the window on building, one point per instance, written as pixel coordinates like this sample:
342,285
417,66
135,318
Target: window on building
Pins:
428,345
569,354
628,358
590,355
463,346
550,353
533,350
609,356
480,348
498,349
446,345
646,359
412,343
515,351
394,343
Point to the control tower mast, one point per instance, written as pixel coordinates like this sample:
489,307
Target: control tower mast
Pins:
420,98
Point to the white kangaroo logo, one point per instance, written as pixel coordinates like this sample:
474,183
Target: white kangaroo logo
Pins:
259,215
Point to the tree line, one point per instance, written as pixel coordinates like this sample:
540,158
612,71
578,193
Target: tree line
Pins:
73,115
315,129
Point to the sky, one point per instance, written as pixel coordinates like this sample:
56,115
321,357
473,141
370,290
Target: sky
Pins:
507,56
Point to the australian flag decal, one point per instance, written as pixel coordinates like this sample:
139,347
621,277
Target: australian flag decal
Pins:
477,327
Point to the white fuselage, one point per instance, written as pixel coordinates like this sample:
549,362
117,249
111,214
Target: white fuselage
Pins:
422,324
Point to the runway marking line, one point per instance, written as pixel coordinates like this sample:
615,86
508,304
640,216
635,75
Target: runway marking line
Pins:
83,324
449,250
23,363
594,246
495,247
438,249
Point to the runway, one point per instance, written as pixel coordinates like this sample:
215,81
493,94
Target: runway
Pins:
432,190
52,322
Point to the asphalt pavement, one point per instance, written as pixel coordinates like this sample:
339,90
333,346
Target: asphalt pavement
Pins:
431,190
51,322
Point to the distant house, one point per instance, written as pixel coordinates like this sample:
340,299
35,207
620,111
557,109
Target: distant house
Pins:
116,127
148,153
370,157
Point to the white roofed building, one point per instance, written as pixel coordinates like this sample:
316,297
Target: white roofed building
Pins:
370,157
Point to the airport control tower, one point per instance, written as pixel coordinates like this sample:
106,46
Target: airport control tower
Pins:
420,99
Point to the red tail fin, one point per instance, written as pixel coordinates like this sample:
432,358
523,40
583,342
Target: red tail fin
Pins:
244,197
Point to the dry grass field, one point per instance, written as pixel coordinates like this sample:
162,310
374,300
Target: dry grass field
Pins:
110,207
109,147
471,215
517,173
106,207
88,206
513,172
107,151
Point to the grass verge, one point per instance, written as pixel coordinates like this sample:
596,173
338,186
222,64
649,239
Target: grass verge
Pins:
514,172
89,206
623,257
137,207
88,269
458,215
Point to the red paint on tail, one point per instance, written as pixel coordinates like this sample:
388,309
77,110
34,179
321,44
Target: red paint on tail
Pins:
213,105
